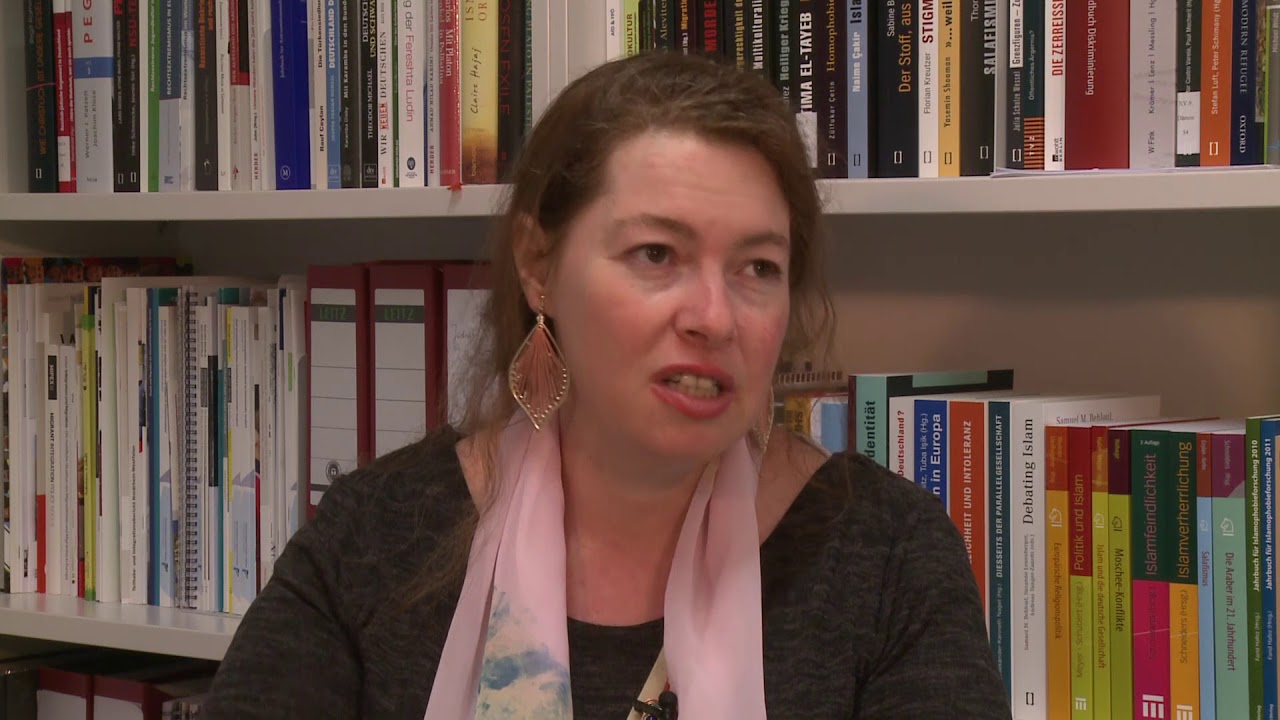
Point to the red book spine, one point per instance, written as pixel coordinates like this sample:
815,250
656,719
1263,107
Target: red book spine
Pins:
450,94
65,99
1097,112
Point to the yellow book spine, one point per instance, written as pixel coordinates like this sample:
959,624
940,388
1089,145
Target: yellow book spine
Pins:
479,91
948,71
88,454
630,28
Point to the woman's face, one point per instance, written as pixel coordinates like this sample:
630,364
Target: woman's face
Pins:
671,296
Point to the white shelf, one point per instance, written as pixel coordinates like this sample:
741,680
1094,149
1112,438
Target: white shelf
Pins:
142,628
1182,189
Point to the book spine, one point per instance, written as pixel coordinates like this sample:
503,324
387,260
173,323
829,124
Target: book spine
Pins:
1120,523
168,159
1081,620
240,102
283,108
510,94
300,87
1184,612
317,61
928,95
1245,143
897,124
349,91
385,93
1266,498
930,423
479,25
94,70
223,32
966,458
833,99
149,118
123,96
1055,83
998,490
1215,71
368,97
1204,530
759,59
804,86
411,135
432,93
1253,538
1033,85
1231,639
1187,150
977,87
1153,90
1153,541
734,32
947,74
1271,150
1016,79
859,89
1057,544
66,111
41,97
204,98
333,95
1103,617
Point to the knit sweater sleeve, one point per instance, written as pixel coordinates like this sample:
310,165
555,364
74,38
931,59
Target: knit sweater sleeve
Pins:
294,654
933,657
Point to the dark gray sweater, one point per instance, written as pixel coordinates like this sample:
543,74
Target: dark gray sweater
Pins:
870,608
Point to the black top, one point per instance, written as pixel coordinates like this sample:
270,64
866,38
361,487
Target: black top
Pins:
870,607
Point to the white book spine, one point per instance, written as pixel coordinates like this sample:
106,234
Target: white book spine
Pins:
410,105
134,500
299,390
927,95
240,69
94,69
1153,63
50,463
163,387
263,89
268,476
31,433
255,98
612,29
16,551
1055,84
108,557
901,438
431,91
68,370
208,537
385,96
172,81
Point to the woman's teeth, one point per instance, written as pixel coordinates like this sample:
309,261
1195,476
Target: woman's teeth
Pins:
694,385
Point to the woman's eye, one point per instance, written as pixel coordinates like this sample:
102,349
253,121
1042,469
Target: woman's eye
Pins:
656,254
766,269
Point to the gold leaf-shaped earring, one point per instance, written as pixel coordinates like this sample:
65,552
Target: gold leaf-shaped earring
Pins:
764,424
538,377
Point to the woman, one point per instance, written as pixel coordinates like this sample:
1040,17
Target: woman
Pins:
615,523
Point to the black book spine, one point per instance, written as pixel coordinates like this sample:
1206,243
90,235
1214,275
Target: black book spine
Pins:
510,68
42,155
897,114
1188,151
1015,67
759,24
664,25
833,99
349,91
975,149
205,97
782,49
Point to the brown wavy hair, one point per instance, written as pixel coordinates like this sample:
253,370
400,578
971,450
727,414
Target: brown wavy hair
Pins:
560,170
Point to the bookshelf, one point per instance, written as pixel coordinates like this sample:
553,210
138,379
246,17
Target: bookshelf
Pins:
1086,192
143,628
1142,282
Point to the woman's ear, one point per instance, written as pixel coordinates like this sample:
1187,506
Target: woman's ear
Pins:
532,250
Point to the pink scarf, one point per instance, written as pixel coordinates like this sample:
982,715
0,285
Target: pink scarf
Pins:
507,652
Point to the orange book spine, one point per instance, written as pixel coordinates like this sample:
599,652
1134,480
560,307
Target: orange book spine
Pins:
967,478
1215,82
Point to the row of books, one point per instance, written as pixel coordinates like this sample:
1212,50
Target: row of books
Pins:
167,433
1125,558
882,88
81,683
182,95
